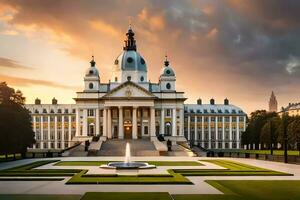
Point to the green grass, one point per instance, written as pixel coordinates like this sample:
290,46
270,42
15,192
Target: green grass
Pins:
156,163
38,197
232,169
249,190
126,196
275,152
172,178
27,170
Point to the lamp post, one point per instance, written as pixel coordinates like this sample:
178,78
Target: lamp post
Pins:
271,136
285,137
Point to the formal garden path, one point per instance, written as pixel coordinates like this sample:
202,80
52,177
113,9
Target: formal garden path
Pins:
173,175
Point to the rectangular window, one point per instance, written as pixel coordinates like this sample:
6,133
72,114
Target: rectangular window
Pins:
90,112
168,114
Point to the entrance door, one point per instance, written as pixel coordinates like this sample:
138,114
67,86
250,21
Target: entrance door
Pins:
128,132
139,132
115,135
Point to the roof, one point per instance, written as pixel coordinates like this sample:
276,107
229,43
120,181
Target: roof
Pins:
213,109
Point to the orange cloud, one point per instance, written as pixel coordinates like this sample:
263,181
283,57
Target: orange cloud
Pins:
105,28
25,82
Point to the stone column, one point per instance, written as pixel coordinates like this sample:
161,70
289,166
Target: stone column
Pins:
162,121
217,132
189,127
195,130
134,123
34,129
42,132
202,132
209,132
97,121
152,122
49,138
230,132
70,131
174,122
55,132
62,132
121,127
85,125
77,122
109,134
181,119
104,122
223,132
238,132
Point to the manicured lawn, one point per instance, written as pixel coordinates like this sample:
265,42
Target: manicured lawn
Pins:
38,197
249,190
126,196
28,170
172,178
232,169
156,163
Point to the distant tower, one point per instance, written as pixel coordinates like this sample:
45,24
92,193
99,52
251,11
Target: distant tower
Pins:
273,103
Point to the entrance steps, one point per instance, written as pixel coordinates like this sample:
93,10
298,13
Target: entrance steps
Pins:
139,147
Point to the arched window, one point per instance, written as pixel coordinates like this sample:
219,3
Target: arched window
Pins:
91,85
168,86
116,79
142,78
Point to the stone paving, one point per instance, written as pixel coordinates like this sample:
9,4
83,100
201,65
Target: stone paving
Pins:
199,187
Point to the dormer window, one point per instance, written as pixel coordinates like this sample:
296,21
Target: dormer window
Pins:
142,78
91,85
91,72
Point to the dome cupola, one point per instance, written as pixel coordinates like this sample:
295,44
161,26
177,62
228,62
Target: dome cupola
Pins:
92,70
129,64
167,69
92,79
167,77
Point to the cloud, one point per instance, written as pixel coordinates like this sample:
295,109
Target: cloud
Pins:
243,43
9,63
25,82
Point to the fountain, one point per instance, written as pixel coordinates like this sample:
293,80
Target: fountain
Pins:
127,164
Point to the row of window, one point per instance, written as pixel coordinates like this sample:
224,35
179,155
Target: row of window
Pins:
52,118
233,111
213,119
128,113
66,111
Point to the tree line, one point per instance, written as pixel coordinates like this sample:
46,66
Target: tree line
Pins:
16,133
268,130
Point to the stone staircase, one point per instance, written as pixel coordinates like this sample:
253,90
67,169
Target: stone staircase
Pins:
140,147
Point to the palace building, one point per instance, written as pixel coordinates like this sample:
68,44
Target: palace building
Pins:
131,107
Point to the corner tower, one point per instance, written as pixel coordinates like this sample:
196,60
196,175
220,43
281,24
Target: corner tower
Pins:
91,78
129,65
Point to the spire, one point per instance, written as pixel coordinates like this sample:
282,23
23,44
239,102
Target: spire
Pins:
93,63
130,43
166,61
273,103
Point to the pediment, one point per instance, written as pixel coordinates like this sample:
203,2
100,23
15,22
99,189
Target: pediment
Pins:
129,90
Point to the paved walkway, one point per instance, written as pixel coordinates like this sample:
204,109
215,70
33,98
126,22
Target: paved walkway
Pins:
199,187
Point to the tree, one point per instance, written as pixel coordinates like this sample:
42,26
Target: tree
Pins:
256,122
269,133
294,133
15,122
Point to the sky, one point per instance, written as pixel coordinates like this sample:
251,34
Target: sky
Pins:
236,49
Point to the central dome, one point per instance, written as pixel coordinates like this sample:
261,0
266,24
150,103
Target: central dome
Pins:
130,61
129,65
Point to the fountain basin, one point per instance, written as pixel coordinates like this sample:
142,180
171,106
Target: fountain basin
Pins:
130,165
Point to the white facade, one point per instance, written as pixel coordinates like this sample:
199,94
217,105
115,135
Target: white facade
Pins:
128,107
